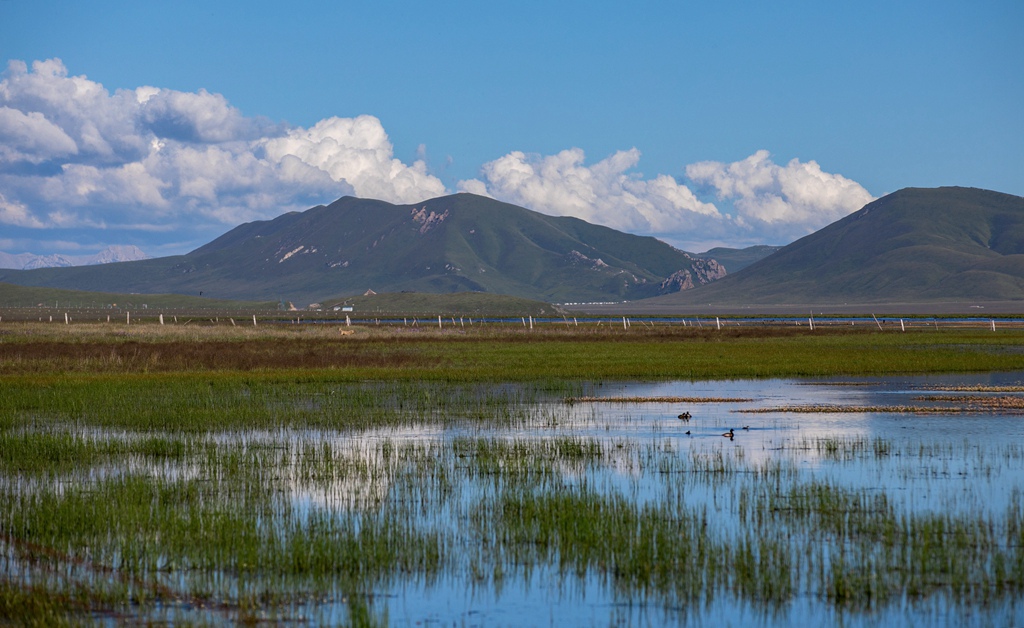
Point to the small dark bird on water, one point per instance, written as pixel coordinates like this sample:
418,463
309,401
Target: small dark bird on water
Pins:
729,434
746,427
684,416
687,432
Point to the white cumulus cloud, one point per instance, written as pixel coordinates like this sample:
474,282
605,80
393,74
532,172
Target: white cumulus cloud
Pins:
196,117
755,200
103,126
31,137
604,193
797,198
74,154
13,213
358,151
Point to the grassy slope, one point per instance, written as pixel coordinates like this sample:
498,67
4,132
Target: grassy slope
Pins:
913,245
735,260
525,253
356,244
27,296
118,278
412,304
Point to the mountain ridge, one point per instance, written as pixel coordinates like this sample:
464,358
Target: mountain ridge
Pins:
455,243
111,254
916,243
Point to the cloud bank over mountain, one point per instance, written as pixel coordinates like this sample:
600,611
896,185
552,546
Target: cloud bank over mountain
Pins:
777,198
769,203
155,162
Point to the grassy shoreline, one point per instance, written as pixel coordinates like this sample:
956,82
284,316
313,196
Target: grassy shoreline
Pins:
496,353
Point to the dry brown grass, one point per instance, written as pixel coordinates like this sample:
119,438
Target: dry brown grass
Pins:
836,409
497,351
979,388
959,404
1003,402
188,355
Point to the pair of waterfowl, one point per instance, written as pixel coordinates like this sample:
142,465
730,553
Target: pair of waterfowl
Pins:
685,416
732,433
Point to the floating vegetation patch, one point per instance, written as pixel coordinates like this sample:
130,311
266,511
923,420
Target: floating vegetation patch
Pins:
1001,403
976,388
657,399
851,409
954,404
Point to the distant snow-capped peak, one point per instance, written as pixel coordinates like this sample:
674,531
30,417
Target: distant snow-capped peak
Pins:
117,253
113,253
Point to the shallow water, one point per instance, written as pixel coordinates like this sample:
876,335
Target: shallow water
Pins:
965,462
437,477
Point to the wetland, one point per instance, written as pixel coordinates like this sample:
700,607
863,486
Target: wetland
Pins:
498,477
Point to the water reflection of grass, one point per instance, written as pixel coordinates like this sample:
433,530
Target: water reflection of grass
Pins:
165,524
202,403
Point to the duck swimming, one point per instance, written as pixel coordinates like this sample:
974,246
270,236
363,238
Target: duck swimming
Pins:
730,434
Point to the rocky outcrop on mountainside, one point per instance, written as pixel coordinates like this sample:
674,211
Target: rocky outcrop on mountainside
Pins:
427,220
707,270
577,258
679,280
704,272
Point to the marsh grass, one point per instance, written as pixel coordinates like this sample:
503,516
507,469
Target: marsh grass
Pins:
140,523
501,352
200,404
231,475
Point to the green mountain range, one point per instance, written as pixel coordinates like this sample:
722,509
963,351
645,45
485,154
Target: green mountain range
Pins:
915,245
450,244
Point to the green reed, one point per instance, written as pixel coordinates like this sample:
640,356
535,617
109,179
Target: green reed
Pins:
215,403
289,496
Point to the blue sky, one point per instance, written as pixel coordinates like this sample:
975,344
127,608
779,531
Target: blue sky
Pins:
730,123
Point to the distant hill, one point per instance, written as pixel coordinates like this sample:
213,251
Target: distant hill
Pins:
430,305
424,305
113,253
12,296
737,259
914,245
455,243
